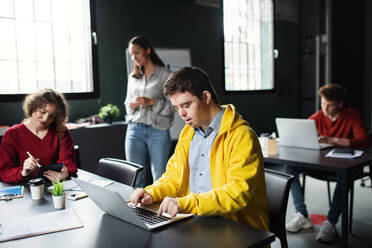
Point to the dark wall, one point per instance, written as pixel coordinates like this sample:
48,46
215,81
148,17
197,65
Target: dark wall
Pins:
348,50
181,24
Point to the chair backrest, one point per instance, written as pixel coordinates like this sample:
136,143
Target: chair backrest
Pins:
277,190
119,170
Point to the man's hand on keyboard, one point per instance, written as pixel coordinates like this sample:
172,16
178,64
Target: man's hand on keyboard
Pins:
139,195
170,206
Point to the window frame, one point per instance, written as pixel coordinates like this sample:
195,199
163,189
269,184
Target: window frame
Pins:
248,92
74,96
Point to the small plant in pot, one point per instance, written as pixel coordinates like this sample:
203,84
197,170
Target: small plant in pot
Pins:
59,197
108,112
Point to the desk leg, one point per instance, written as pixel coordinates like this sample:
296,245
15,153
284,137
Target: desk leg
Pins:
345,206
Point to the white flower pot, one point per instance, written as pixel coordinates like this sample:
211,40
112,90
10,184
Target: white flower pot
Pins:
59,201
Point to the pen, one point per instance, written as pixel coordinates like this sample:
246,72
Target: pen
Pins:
29,154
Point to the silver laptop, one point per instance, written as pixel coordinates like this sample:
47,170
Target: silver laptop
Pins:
299,133
113,204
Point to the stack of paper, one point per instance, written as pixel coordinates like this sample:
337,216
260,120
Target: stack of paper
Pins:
15,228
333,154
12,192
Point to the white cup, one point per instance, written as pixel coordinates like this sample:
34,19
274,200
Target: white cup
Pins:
263,142
37,188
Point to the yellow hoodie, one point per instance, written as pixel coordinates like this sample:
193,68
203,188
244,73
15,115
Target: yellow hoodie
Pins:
237,172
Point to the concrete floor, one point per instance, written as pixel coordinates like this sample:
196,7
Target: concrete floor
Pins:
317,203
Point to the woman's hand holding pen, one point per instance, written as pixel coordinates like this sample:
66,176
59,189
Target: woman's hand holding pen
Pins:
29,165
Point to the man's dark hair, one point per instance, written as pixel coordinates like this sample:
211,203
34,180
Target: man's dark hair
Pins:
333,92
191,79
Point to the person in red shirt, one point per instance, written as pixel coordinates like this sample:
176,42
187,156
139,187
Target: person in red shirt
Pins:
41,139
342,127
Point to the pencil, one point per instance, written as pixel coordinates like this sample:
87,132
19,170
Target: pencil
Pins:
29,154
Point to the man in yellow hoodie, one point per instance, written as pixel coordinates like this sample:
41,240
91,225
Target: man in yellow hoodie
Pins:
217,167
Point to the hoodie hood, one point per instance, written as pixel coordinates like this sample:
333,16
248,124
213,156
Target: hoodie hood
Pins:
230,121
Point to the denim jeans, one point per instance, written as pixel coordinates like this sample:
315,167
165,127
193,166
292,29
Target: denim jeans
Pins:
143,142
299,201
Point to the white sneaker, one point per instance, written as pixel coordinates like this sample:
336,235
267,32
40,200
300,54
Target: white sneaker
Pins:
327,232
298,223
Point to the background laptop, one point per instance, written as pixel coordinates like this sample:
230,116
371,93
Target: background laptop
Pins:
113,204
299,133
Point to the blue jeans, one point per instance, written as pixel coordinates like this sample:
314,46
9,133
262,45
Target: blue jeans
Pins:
299,201
143,142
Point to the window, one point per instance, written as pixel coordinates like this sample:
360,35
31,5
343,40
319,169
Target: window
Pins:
248,43
45,44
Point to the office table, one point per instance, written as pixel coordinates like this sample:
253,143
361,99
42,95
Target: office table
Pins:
316,160
103,230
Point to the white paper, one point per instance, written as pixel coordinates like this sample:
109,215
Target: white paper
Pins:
101,182
331,154
39,224
68,185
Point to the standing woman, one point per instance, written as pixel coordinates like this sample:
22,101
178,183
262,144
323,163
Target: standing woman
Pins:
43,135
149,112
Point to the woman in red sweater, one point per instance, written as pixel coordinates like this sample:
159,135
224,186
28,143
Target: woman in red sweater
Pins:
43,135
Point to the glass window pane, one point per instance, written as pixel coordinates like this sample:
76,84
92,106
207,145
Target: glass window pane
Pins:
6,8
248,44
7,42
24,9
45,75
48,45
27,77
9,77
44,42
78,77
25,40
63,77
60,11
77,45
61,43
75,13
43,10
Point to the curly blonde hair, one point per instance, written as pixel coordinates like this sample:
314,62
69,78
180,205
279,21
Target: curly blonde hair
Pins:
40,99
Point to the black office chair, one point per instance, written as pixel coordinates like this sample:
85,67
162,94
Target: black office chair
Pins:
278,185
119,170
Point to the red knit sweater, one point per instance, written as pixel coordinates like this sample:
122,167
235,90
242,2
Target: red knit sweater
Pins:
52,149
348,125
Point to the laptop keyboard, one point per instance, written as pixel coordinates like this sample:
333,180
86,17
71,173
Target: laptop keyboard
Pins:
148,216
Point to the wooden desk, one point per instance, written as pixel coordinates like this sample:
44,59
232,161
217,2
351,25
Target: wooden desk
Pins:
102,230
315,159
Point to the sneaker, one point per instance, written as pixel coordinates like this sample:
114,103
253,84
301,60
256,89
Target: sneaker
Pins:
327,232
298,223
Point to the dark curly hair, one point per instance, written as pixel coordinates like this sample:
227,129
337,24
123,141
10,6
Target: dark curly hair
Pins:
48,96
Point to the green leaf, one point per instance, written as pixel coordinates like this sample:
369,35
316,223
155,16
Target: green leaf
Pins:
58,188
109,110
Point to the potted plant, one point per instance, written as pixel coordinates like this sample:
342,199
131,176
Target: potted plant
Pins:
109,112
59,197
